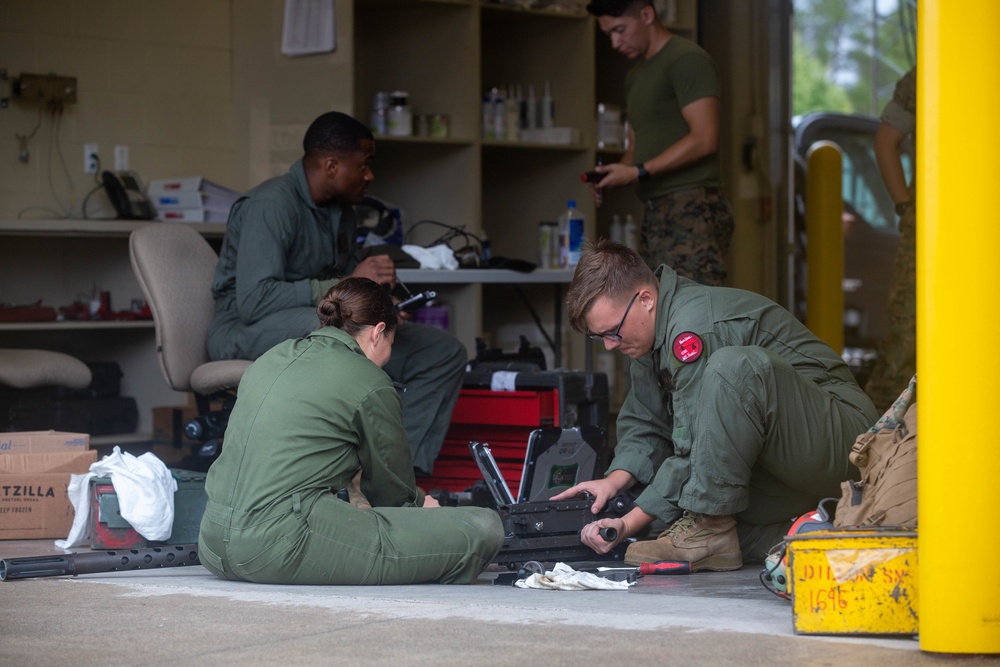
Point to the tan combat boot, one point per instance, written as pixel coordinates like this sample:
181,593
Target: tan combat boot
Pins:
707,542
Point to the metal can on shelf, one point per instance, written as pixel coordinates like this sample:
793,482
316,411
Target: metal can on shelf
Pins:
439,125
424,125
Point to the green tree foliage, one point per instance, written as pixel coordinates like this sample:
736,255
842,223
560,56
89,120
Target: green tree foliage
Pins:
811,89
848,54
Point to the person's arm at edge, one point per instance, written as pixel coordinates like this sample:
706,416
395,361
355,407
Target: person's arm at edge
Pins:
890,165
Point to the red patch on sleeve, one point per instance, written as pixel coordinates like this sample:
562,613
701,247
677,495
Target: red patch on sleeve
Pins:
687,347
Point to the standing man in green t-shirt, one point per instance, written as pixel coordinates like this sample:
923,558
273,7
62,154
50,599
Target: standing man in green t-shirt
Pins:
672,102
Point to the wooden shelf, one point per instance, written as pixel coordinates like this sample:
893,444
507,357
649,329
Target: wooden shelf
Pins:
120,439
429,141
92,228
543,11
65,261
484,276
76,326
532,145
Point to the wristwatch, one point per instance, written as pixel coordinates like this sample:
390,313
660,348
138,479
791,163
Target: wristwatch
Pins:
644,175
901,208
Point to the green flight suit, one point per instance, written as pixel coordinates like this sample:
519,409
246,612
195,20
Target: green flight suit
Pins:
280,256
737,410
310,412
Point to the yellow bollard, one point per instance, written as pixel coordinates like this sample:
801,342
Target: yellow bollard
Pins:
958,320
825,244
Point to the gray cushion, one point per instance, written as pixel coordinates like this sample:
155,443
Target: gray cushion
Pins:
38,368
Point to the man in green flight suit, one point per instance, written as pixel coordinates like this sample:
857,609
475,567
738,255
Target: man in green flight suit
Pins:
739,419
289,240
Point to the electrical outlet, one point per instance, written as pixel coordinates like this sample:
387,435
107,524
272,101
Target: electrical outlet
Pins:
121,158
90,159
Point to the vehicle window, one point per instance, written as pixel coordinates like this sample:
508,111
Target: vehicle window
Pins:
863,189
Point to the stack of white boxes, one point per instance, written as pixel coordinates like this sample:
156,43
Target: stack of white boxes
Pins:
190,199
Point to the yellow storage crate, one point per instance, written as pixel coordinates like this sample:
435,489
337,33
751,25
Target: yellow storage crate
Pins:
860,582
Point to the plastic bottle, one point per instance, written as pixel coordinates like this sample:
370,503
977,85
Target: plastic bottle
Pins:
488,120
485,250
531,122
380,113
513,113
499,115
571,226
548,107
400,117
631,233
616,232
522,109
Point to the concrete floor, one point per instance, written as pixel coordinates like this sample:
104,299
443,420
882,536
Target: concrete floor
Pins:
184,615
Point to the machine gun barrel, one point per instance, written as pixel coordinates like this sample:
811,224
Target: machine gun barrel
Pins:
98,561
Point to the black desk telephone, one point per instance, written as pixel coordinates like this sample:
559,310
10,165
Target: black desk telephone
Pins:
124,190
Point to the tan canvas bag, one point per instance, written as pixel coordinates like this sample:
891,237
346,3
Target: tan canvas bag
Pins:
886,455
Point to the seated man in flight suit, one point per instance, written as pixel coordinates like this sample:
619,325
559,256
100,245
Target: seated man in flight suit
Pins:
738,420
293,237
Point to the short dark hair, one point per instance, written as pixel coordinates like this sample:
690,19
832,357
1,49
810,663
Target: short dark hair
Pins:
617,8
605,269
355,303
335,132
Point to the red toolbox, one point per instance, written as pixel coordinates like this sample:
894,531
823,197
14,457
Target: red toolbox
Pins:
505,420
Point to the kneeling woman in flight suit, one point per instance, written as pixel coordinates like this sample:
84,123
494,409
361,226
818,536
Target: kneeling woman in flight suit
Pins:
310,413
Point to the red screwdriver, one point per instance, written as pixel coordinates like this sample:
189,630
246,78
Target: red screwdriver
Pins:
666,567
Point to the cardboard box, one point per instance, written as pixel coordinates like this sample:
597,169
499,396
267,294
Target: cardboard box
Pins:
36,442
854,582
33,499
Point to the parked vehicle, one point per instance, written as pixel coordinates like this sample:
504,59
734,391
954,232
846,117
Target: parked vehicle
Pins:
871,236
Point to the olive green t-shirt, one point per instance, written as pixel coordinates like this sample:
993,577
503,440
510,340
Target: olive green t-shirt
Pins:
655,92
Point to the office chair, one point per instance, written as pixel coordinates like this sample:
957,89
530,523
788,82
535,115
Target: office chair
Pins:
174,265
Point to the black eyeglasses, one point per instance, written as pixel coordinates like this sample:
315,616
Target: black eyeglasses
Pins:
614,336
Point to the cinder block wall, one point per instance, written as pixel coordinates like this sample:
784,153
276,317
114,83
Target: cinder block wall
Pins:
152,75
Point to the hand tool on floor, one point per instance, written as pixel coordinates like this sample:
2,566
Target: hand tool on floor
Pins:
666,567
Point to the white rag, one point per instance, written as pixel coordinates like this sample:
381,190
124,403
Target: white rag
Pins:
436,257
564,578
145,489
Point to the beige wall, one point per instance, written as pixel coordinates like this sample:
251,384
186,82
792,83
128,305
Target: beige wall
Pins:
155,76
199,87
735,33
276,97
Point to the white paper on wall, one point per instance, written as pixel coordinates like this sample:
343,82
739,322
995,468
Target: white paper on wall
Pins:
309,27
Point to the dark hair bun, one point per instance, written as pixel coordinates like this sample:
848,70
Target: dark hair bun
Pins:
355,303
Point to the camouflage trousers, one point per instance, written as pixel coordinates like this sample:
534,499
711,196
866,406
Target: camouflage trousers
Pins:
897,354
690,231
